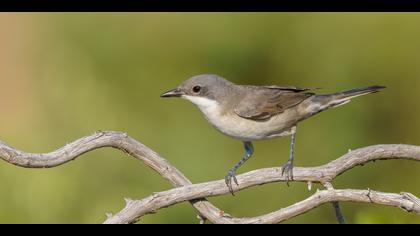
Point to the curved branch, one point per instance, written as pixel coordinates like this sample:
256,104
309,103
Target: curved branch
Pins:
116,140
321,174
167,198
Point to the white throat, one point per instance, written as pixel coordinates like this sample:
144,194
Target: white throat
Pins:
203,103
210,108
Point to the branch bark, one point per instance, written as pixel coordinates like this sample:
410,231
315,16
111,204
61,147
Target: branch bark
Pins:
196,194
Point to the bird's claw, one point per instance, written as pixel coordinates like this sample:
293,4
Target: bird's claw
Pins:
228,181
288,170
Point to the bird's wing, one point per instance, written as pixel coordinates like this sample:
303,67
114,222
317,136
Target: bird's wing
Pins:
288,88
265,102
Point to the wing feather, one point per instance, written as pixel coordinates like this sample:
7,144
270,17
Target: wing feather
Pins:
265,102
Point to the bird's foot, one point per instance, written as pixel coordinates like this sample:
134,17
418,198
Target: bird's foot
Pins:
228,181
287,170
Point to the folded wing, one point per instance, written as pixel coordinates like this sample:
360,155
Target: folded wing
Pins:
267,101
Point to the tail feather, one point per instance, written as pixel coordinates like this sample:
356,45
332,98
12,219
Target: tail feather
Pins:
352,93
341,98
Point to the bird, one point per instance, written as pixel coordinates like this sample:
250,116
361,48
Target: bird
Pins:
251,113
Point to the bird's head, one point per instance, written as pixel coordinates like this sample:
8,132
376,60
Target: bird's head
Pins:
202,90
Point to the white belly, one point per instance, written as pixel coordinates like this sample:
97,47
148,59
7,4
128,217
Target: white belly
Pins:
240,128
246,129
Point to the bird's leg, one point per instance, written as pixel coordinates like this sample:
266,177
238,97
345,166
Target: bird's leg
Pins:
288,167
249,150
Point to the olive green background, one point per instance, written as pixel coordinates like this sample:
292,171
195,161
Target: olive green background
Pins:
67,75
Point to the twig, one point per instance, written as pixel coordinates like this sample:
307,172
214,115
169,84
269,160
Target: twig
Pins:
336,205
338,213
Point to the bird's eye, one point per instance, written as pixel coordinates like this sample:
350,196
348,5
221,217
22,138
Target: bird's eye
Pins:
197,89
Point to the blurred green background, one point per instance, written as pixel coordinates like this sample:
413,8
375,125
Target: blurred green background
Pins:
66,75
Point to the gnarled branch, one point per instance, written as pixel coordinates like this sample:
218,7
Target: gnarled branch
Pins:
160,200
185,191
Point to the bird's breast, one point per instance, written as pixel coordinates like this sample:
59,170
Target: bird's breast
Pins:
243,129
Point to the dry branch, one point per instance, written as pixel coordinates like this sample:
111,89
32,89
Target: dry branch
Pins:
185,191
160,200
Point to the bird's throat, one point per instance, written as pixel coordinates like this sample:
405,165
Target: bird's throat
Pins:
201,102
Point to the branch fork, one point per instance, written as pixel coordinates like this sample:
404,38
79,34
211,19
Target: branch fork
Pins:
196,194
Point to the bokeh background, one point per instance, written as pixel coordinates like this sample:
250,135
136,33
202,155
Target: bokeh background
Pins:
67,75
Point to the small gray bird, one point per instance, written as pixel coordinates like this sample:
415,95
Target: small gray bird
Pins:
250,113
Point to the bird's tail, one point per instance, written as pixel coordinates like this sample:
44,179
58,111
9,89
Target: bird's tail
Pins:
326,101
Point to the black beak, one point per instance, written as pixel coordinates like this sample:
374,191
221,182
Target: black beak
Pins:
172,93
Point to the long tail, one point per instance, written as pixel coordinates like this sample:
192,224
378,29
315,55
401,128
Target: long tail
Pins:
326,101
